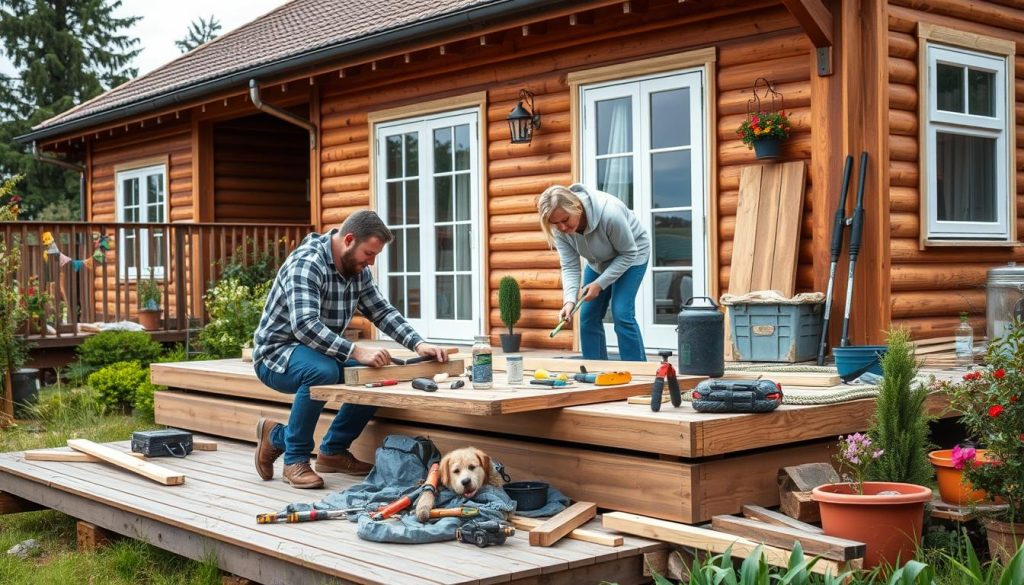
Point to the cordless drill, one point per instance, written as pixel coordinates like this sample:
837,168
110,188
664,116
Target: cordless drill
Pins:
665,373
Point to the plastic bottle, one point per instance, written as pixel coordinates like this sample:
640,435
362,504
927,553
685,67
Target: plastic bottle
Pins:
964,342
483,372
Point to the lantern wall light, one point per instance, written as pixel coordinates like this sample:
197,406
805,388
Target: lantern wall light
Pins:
523,121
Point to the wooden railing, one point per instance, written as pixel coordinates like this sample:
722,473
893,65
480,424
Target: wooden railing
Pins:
85,272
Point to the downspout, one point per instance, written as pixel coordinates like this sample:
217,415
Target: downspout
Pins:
69,166
254,95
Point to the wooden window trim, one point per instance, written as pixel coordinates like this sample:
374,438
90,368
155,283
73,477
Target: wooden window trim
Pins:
933,33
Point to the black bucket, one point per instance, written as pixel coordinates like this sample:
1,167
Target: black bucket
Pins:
528,495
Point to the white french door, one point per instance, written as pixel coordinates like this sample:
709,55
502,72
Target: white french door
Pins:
141,198
644,142
428,192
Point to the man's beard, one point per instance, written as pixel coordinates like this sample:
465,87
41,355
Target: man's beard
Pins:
349,266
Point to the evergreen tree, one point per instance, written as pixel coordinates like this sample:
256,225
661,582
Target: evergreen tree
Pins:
65,52
199,32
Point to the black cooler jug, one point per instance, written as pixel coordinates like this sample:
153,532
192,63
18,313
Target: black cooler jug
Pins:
701,339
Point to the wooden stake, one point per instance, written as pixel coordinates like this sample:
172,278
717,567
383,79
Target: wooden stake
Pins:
594,536
553,529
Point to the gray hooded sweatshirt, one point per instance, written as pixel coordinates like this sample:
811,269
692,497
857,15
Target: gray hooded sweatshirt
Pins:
612,242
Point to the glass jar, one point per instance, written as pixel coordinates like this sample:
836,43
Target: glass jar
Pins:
483,371
514,369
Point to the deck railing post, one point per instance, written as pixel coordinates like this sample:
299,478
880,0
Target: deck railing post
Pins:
179,277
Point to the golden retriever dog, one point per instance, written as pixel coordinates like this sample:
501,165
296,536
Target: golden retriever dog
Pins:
464,471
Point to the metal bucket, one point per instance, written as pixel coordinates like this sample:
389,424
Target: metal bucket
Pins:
1004,299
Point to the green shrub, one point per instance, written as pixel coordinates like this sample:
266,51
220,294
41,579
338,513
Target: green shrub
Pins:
116,385
259,267
174,354
58,405
235,310
111,347
142,402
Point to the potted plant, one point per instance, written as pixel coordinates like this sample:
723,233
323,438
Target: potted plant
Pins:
148,293
510,306
882,505
765,132
949,466
36,301
991,406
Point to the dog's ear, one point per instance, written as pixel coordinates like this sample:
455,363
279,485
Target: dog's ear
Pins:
485,461
446,470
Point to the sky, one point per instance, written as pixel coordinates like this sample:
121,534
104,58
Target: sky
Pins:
165,22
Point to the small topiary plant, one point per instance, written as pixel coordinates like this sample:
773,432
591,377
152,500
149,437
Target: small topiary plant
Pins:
509,302
116,385
110,347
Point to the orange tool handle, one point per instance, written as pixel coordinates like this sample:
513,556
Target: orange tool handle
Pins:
380,383
432,477
393,508
454,512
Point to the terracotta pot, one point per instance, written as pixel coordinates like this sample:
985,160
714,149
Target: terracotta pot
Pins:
1004,538
150,319
952,487
890,525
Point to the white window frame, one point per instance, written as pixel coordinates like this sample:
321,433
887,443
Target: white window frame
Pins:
428,324
939,45
142,245
656,336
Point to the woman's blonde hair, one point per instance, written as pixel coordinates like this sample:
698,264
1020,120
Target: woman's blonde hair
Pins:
556,197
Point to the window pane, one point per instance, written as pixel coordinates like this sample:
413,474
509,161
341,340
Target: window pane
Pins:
155,188
413,298
671,290
394,211
443,198
615,176
670,118
462,247
966,176
445,252
412,202
129,248
671,178
130,192
614,126
156,249
396,292
673,238
131,214
412,250
950,80
464,311
393,146
462,205
981,91
396,252
445,297
442,150
412,155
462,147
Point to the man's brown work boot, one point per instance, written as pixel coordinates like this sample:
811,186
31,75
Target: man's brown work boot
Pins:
266,454
343,462
301,476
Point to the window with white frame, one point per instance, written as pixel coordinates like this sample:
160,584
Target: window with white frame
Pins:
968,145
141,199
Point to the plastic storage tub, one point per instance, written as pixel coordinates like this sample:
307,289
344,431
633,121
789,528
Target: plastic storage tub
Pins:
775,332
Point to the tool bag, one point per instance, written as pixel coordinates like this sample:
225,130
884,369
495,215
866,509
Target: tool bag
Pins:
162,443
737,396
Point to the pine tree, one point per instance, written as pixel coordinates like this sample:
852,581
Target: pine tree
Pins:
199,32
900,424
65,52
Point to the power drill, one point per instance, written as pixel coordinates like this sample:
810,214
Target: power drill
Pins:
484,533
665,372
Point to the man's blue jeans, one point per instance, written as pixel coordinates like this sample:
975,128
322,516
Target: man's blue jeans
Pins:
307,367
622,297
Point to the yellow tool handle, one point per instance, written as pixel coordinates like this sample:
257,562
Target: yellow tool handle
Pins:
612,378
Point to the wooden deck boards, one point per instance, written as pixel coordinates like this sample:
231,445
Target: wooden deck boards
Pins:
215,509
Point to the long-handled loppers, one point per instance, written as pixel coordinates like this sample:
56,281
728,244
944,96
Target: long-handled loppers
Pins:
838,227
856,228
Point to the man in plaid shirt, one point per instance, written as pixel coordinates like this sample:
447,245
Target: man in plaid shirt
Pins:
297,345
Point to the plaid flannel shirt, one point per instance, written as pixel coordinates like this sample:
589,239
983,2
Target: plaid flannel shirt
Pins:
311,303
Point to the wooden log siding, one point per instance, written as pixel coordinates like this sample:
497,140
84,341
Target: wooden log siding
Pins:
930,287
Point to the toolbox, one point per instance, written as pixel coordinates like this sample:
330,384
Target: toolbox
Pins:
161,443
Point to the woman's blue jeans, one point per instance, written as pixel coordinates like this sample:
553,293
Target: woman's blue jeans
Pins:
308,367
621,295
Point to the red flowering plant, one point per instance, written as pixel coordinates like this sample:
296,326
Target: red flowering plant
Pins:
991,405
761,125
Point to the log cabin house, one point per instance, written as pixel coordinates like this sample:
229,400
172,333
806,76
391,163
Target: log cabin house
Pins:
319,108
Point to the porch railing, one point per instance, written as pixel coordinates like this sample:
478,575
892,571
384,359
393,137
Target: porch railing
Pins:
83,273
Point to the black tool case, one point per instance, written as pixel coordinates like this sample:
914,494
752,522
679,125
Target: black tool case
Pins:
162,442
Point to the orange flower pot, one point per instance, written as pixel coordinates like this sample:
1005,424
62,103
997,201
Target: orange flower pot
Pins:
953,489
890,525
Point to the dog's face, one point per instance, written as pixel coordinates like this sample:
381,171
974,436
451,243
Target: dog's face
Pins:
465,471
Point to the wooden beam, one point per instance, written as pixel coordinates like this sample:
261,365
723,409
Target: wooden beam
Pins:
594,536
814,18
360,375
125,461
67,456
91,537
775,518
583,18
203,445
553,529
827,547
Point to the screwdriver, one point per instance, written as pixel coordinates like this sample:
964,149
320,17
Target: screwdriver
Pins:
380,383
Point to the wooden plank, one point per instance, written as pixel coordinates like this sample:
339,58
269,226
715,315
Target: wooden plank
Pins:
90,537
809,379
571,365
203,445
594,536
67,456
782,276
363,374
124,461
553,529
703,539
766,229
745,236
645,399
771,517
837,549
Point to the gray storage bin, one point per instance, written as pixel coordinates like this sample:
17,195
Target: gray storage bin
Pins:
775,332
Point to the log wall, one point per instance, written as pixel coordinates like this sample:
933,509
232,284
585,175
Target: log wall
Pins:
931,287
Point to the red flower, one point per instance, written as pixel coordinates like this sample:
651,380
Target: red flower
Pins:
995,410
1013,399
999,374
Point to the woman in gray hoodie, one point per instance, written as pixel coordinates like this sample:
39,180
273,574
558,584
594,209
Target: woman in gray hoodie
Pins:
599,227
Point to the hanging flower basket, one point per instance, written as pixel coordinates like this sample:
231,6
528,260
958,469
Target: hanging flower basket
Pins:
767,148
766,126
